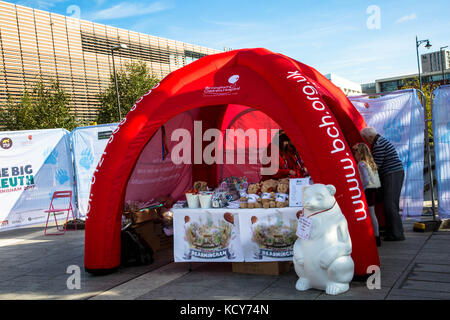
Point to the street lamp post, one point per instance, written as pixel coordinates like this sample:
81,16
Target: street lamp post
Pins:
120,46
427,120
442,62
428,46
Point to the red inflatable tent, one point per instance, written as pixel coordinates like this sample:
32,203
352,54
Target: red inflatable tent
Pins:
316,115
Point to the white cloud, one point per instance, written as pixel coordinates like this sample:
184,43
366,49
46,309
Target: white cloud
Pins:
128,9
39,4
406,18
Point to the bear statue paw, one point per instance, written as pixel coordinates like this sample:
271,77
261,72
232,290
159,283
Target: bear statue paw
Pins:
335,288
299,261
302,284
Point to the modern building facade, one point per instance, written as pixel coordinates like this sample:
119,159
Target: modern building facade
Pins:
348,87
431,73
435,61
38,44
369,87
396,83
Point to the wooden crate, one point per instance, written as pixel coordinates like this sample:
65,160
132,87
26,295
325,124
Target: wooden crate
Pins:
153,234
147,232
165,242
268,268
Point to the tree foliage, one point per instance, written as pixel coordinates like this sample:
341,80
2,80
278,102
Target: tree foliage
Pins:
427,89
133,82
44,107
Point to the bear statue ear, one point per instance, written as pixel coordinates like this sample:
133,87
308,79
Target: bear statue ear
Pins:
331,189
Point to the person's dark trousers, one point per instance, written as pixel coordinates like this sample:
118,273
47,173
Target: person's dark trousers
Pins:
392,187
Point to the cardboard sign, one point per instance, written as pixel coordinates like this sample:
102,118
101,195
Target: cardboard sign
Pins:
304,228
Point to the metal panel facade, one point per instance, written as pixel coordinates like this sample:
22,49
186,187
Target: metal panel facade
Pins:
37,44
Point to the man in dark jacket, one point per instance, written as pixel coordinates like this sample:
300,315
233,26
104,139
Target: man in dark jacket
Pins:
392,174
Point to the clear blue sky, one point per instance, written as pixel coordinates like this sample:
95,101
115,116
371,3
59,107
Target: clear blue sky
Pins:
331,36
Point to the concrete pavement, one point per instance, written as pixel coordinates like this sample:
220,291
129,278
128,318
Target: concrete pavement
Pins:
34,266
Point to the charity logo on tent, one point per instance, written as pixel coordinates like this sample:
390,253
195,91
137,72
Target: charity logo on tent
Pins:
227,90
6,143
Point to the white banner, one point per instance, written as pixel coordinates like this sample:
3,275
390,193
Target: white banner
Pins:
206,235
88,144
441,130
399,117
234,235
33,164
268,234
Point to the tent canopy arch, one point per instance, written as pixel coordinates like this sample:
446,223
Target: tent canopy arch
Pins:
321,122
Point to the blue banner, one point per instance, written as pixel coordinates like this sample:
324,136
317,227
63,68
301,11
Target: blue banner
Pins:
441,130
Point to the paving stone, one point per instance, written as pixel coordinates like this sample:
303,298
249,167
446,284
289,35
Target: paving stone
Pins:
429,276
388,278
418,294
219,294
200,279
427,259
254,284
174,291
359,293
284,293
426,285
144,283
443,268
402,297
393,251
414,268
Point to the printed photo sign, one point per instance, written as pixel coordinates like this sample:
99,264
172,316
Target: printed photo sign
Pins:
234,235
268,235
202,235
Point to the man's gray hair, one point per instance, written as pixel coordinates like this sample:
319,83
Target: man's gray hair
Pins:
368,132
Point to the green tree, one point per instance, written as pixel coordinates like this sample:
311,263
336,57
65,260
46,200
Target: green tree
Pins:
427,89
133,82
44,107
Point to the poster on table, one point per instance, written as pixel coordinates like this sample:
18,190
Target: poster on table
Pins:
399,117
88,144
296,191
268,234
441,130
33,165
202,235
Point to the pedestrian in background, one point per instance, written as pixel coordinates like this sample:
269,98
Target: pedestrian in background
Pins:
392,174
368,173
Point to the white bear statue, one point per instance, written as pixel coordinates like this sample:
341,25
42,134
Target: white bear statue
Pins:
322,260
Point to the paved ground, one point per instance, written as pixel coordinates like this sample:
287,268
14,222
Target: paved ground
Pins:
34,266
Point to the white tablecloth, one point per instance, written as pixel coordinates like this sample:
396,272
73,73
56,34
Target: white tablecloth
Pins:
234,235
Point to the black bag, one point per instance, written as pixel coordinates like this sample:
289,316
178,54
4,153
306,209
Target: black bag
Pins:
134,250
71,224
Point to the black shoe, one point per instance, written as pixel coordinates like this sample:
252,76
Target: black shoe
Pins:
392,238
378,241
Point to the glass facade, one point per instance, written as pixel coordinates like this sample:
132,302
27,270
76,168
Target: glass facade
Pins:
368,87
38,44
392,85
